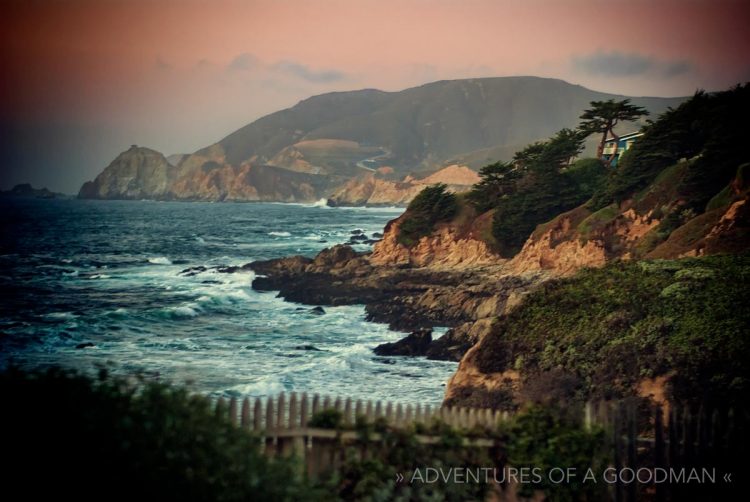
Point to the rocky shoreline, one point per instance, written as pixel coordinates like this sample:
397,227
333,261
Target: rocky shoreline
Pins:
407,298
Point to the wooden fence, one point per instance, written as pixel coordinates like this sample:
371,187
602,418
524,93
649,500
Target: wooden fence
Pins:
640,438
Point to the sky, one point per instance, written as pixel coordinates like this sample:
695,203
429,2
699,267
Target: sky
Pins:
82,80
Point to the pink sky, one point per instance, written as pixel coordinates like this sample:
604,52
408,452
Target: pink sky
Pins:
179,75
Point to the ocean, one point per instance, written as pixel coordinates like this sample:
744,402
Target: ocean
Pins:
92,284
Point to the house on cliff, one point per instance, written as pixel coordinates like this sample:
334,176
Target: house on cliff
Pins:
624,142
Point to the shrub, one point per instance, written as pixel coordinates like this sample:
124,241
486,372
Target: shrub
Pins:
330,418
544,438
432,205
69,435
612,326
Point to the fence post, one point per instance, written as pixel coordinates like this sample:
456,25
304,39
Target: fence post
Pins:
303,410
257,415
233,411
659,450
632,445
293,412
616,449
348,412
316,404
245,418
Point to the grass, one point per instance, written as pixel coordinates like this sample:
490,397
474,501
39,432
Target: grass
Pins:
597,221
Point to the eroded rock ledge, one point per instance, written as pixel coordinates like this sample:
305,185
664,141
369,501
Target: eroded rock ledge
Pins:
407,298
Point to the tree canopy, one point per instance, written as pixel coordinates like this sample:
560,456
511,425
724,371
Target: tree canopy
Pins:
602,118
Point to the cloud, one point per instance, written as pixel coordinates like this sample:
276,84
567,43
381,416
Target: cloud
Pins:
677,68
243,62
305,73
614,64
160,64
618,64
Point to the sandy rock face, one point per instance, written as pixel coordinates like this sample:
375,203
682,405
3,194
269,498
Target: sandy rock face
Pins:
372,190
138,173
444,248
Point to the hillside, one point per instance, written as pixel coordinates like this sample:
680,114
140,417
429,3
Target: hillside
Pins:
637,289
341,136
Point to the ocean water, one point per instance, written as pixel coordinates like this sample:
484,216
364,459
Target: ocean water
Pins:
107,274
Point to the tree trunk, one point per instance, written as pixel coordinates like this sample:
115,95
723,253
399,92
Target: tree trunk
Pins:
608,163
600,148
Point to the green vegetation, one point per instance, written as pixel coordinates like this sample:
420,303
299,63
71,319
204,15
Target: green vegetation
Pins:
602,118
711,129
432,205
106,438
330,418
537,185
68,435
400,451
596,221
604,330
544,438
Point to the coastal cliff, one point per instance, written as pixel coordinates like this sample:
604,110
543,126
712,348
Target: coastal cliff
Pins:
621,294
138,173
142,173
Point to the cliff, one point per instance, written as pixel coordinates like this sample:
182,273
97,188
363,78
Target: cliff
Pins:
459,243
656,330
142,173
138,173
372,190
640,228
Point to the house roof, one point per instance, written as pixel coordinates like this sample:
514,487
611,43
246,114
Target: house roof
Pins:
630,135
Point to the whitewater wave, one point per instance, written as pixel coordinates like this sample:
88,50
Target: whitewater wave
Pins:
183,312
280,234
160,260
321,203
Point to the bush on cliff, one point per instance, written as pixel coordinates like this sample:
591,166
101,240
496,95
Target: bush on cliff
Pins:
609,329
432,205
68,435
537,185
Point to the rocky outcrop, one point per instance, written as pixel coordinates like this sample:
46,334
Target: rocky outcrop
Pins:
450,245
142,173
372,190
450,347
405,298
416,344
25,190
138,173
634,230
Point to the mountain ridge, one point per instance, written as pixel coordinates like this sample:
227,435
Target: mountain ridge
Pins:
341,135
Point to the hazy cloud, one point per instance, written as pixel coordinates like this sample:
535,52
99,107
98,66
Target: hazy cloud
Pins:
160,64
677,68
618,64
243,62
614,64
305,73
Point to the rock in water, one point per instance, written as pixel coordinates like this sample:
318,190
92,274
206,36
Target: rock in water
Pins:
416,344
317,310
